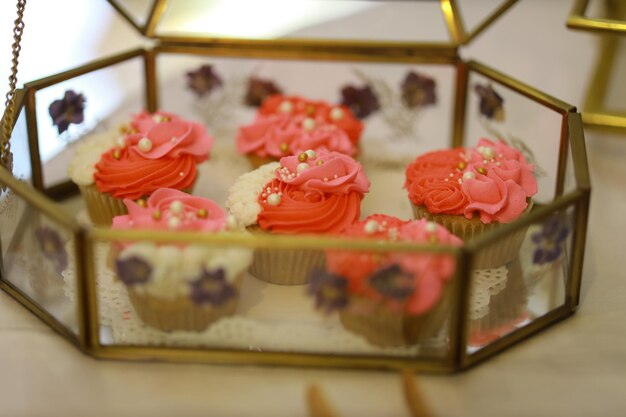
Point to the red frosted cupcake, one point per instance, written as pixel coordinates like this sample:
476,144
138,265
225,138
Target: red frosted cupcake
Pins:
393,298
473,190
157,150
312,193
288,125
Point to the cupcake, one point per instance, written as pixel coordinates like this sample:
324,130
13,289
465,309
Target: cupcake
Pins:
392,298
173,286
287,125
156,151
471,191
312,193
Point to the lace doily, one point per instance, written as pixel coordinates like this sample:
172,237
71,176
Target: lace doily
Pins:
486,283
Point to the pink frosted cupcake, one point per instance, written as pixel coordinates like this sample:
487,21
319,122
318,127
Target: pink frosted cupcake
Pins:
312,193
157,150
473,190
173,286
390,299
289,125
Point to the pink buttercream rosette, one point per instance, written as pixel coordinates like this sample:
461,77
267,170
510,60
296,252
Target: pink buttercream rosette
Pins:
393,298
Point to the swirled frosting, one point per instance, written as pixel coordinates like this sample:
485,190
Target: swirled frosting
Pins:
491,180
165,156
172,209
412,282
287,125
313,193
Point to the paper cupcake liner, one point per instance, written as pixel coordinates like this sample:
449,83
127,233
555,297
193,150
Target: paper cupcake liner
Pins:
498,254
506,306
102,207
286,266
179,313
381,326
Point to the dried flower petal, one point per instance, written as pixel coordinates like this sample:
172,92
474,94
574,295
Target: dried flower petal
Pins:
392,282
133,270
361,101
491,103
203,80
329,290
259,89
52,247
68,110
549,240
418,90
211,287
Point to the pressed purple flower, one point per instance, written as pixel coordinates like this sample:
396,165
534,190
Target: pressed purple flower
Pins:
259,89
491,103
330,290
211,287
361,101
133,270
203,80
550,239
68,110
418,90
392,282
52,247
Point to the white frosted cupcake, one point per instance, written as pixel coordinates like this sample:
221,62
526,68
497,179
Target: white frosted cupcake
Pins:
174,287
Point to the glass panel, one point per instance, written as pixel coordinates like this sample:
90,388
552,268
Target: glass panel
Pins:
37,257
20,149
94,102
137,9
495,111
419,21
284,300
519,278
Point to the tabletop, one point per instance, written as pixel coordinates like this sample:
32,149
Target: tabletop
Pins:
575,368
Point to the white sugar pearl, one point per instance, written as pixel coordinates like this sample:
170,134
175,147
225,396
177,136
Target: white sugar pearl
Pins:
173,223
487,152
431,227
371,226
285,107
173,139
336,113
302,166
121,141
273,199
176,207
310,153
308,124
145,145
231,222
469,175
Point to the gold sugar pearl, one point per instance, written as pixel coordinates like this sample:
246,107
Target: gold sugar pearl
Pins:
320,162
141,202
303,157
156,215
481,170
165,119
433,239
462,165
117,154
202,213
284,147
310,110
124,129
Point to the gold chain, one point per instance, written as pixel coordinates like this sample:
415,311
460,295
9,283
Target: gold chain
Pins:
6,159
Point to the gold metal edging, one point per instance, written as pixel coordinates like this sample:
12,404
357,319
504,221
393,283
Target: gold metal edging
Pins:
488,21
154,17
241,357
292,49
522,88
579,21
125,15
454,21
33,141
152,94
561,166
458,322
84,69
537,325
40,312
579,153
460,104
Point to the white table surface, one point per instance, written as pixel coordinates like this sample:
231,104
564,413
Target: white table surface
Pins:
576,368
